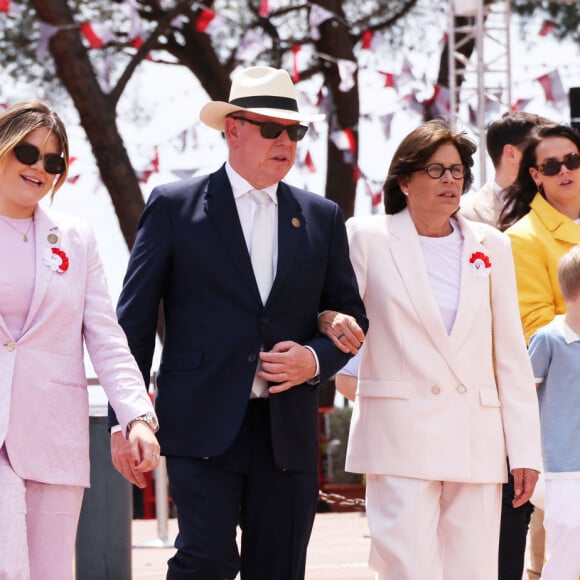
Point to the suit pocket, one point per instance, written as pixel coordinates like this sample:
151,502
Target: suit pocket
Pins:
181,361
488,398
384,389
68,383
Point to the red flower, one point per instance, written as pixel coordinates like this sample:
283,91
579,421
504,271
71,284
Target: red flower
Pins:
480,264
56,260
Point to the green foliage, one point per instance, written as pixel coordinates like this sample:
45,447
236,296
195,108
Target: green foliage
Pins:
565,15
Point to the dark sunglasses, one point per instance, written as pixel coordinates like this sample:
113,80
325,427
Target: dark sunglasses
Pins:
552,166
270,130
437,170
30,154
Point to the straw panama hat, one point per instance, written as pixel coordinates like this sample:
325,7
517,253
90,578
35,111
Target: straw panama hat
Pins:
262,90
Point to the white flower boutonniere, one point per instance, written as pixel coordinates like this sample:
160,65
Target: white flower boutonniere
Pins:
480,264
56,260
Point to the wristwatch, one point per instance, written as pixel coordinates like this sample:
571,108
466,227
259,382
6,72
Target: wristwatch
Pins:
148,418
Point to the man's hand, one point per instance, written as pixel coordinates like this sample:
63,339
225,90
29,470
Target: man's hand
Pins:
342,329
136,455
288,364
524,483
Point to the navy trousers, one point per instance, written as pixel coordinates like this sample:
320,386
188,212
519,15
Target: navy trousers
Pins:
274,509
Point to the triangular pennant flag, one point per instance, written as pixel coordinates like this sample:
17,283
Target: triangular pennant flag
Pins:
547,27
97,34
387,121
47,31
521,104
5,6
390,79
344,140
309,162
208,21
346,70
264,9
295,73
317,16
366,39
552,85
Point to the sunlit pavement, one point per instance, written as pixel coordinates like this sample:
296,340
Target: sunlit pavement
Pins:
338,548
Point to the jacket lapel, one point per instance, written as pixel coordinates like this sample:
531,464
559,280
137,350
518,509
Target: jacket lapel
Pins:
291,228
44,227
220,207
474,289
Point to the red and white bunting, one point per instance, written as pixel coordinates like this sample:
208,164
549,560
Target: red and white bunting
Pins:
553,88
209,22
5,6
318,15
346,70
97,34
344,140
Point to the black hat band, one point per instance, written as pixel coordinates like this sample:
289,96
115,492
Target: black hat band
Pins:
266,102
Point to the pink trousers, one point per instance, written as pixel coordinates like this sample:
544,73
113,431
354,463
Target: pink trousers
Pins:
432,529
38,524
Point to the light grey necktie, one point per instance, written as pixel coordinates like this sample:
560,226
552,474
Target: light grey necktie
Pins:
261,248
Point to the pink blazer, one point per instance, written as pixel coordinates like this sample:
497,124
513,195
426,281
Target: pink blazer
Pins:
427,405
44,414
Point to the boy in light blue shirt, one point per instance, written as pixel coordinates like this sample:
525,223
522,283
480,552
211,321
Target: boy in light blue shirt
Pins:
555,354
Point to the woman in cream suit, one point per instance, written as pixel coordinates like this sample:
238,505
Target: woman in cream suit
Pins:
53,302
431,426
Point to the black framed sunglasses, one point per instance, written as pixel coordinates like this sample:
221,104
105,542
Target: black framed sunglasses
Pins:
552,166
437,170
30,154
271,130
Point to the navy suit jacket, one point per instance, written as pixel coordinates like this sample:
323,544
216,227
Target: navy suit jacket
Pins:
191,256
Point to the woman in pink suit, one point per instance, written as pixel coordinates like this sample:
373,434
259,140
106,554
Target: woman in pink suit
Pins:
434,417
53,302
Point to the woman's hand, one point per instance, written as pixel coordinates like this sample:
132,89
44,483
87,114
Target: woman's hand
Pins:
136,455
342,329
524,483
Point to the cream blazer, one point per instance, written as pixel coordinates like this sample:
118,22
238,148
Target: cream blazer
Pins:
44,410
482,205
427,405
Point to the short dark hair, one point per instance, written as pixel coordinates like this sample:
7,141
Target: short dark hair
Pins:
415,150
519,195
512,128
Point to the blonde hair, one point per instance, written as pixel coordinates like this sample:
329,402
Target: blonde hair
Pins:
20,119
569,273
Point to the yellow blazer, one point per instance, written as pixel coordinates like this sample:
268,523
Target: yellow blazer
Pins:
539,240
427,405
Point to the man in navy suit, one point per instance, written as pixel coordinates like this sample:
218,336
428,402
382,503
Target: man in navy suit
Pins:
242,358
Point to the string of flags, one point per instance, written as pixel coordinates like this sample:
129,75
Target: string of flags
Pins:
414,94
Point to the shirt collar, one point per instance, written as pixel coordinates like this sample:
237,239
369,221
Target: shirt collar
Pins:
569,334
240,186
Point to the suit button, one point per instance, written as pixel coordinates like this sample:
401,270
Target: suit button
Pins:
265,320
11,346
252,358
462,389
435,390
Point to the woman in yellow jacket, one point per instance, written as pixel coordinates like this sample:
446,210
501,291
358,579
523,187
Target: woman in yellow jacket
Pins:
543,204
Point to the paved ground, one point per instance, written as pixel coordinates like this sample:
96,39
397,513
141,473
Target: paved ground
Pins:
338,548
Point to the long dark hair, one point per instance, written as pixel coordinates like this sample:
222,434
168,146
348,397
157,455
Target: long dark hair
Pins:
519,195
415,150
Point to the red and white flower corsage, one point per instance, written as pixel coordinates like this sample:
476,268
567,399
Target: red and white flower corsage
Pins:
56,260
480,264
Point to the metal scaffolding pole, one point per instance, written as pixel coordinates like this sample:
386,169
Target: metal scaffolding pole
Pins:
479,84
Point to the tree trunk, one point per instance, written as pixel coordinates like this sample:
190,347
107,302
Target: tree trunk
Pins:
342,166
97,112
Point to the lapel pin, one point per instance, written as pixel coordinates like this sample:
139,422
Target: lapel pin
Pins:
295,222
52,238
